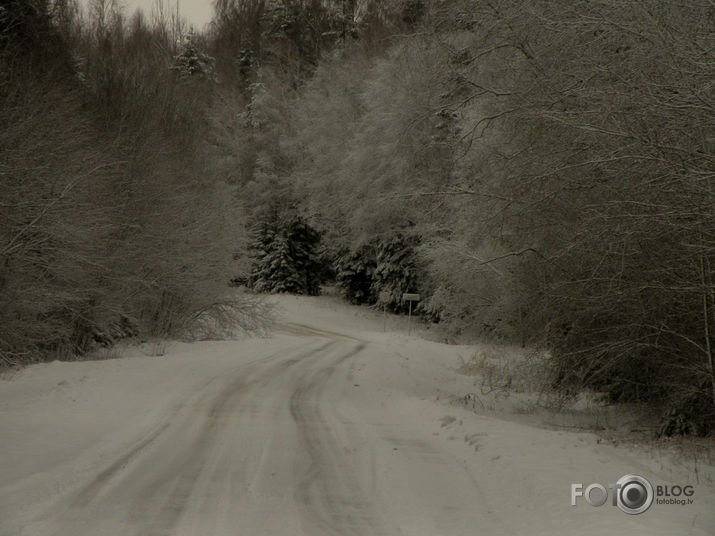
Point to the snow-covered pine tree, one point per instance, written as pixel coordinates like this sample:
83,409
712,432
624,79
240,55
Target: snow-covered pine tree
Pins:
396,270
303,241
355,271
286,258
191,61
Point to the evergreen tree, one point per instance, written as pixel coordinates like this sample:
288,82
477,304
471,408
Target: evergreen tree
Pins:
29,40
396,270
355,274
192,62
303,242
286,258
387,265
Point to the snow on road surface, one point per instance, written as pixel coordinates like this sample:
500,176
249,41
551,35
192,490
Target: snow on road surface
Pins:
329,427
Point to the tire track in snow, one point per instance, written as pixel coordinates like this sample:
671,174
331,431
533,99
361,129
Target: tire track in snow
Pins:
328,492
222,409
155,506
226,405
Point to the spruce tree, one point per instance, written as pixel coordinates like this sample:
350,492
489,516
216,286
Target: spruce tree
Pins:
286,258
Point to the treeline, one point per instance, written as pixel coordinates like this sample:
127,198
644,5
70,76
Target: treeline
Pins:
548,163
111,222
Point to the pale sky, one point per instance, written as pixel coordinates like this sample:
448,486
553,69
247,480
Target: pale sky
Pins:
196,12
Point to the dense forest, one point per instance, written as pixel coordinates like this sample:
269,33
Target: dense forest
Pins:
540,171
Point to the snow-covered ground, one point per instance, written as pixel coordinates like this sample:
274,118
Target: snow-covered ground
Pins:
329,426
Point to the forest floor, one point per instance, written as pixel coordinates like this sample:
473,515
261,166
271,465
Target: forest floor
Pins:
339,423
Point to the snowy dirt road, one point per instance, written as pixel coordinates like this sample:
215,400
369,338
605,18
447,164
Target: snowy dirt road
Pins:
330,427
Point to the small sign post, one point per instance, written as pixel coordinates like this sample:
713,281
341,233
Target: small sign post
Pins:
410,298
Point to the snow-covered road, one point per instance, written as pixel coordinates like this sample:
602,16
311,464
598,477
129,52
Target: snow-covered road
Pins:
329,427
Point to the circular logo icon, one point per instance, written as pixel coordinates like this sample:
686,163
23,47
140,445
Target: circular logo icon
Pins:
634,494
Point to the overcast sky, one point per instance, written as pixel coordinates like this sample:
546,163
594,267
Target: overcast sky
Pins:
196,12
